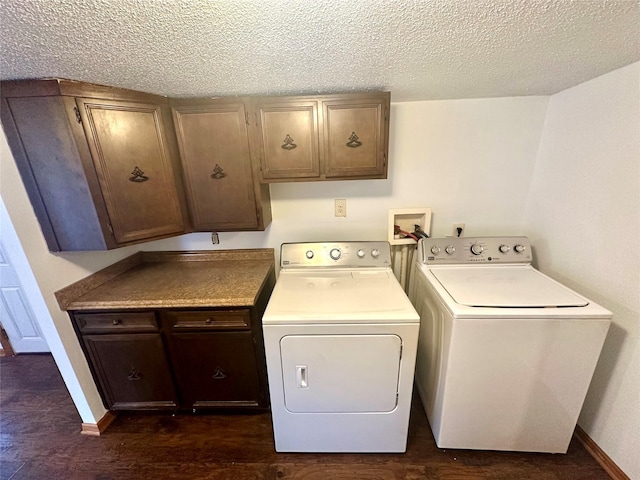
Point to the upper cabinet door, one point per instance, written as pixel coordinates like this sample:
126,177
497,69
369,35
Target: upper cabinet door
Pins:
216,160
131,157
355,136
287,138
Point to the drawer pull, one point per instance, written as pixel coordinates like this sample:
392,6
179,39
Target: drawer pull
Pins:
208,321
133,374
219,374
117,321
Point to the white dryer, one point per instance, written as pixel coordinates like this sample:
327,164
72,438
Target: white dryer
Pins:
505,354
340,341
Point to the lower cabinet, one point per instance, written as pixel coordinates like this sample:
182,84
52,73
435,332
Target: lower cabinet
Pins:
176,359
216,369
132,370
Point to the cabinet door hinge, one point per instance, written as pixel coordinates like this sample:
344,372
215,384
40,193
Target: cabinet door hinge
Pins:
77,112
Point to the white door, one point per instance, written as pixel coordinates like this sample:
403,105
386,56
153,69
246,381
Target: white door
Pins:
340,373
16,315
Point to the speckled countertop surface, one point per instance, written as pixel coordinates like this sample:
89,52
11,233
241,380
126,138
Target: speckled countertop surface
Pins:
173,280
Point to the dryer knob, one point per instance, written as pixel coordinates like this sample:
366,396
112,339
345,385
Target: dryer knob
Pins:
361,253
309,254
375,253
335,253
450,249
477,249
519,248
504,248
435,250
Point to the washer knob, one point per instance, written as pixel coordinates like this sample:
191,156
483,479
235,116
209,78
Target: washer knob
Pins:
375,253
504,248
477,249
309,254
519,248
335,253
361,253
450,249
435,250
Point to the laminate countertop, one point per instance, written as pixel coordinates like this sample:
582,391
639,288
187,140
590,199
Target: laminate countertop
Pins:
211,278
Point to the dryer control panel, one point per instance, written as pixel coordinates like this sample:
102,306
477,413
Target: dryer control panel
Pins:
467,250
336,255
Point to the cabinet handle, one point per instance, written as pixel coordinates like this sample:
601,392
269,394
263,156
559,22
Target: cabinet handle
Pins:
138,176
117,321
219,374
288,143
208,321
218,173
354,141
133,374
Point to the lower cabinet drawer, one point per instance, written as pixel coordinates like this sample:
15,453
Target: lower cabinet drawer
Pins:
210,320
116,322
132,370
216,369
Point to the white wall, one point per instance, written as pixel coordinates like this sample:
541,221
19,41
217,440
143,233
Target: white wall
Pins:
583,217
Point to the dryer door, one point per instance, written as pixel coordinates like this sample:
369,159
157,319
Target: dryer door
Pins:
340,373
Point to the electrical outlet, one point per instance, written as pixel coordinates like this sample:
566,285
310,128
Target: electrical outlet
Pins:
458,229
340,207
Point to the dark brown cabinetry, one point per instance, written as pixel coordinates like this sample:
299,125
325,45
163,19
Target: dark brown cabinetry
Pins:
214,358
128,359
322,137
99,164
222,191
287,138
189,359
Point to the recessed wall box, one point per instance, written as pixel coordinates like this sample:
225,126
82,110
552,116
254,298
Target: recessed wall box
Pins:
407,219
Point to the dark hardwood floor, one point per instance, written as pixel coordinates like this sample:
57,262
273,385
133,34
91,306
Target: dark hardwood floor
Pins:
40,439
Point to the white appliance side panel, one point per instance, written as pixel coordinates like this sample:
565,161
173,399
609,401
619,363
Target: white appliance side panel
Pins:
432,352
517,385
340,373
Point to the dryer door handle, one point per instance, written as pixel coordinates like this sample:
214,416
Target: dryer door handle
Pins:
301,376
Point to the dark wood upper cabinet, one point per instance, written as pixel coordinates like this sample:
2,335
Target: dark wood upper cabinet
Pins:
287,136
100,164
309,138
355,136
107,167
223,193
129,149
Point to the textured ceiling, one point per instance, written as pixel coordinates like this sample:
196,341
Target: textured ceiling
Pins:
430,49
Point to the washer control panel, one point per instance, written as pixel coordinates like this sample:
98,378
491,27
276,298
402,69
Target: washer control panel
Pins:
454,250
335,254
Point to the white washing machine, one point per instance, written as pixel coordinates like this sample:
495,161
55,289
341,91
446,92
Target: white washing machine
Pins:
505,354
340,341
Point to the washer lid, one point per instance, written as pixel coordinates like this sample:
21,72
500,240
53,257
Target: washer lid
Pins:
505,286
